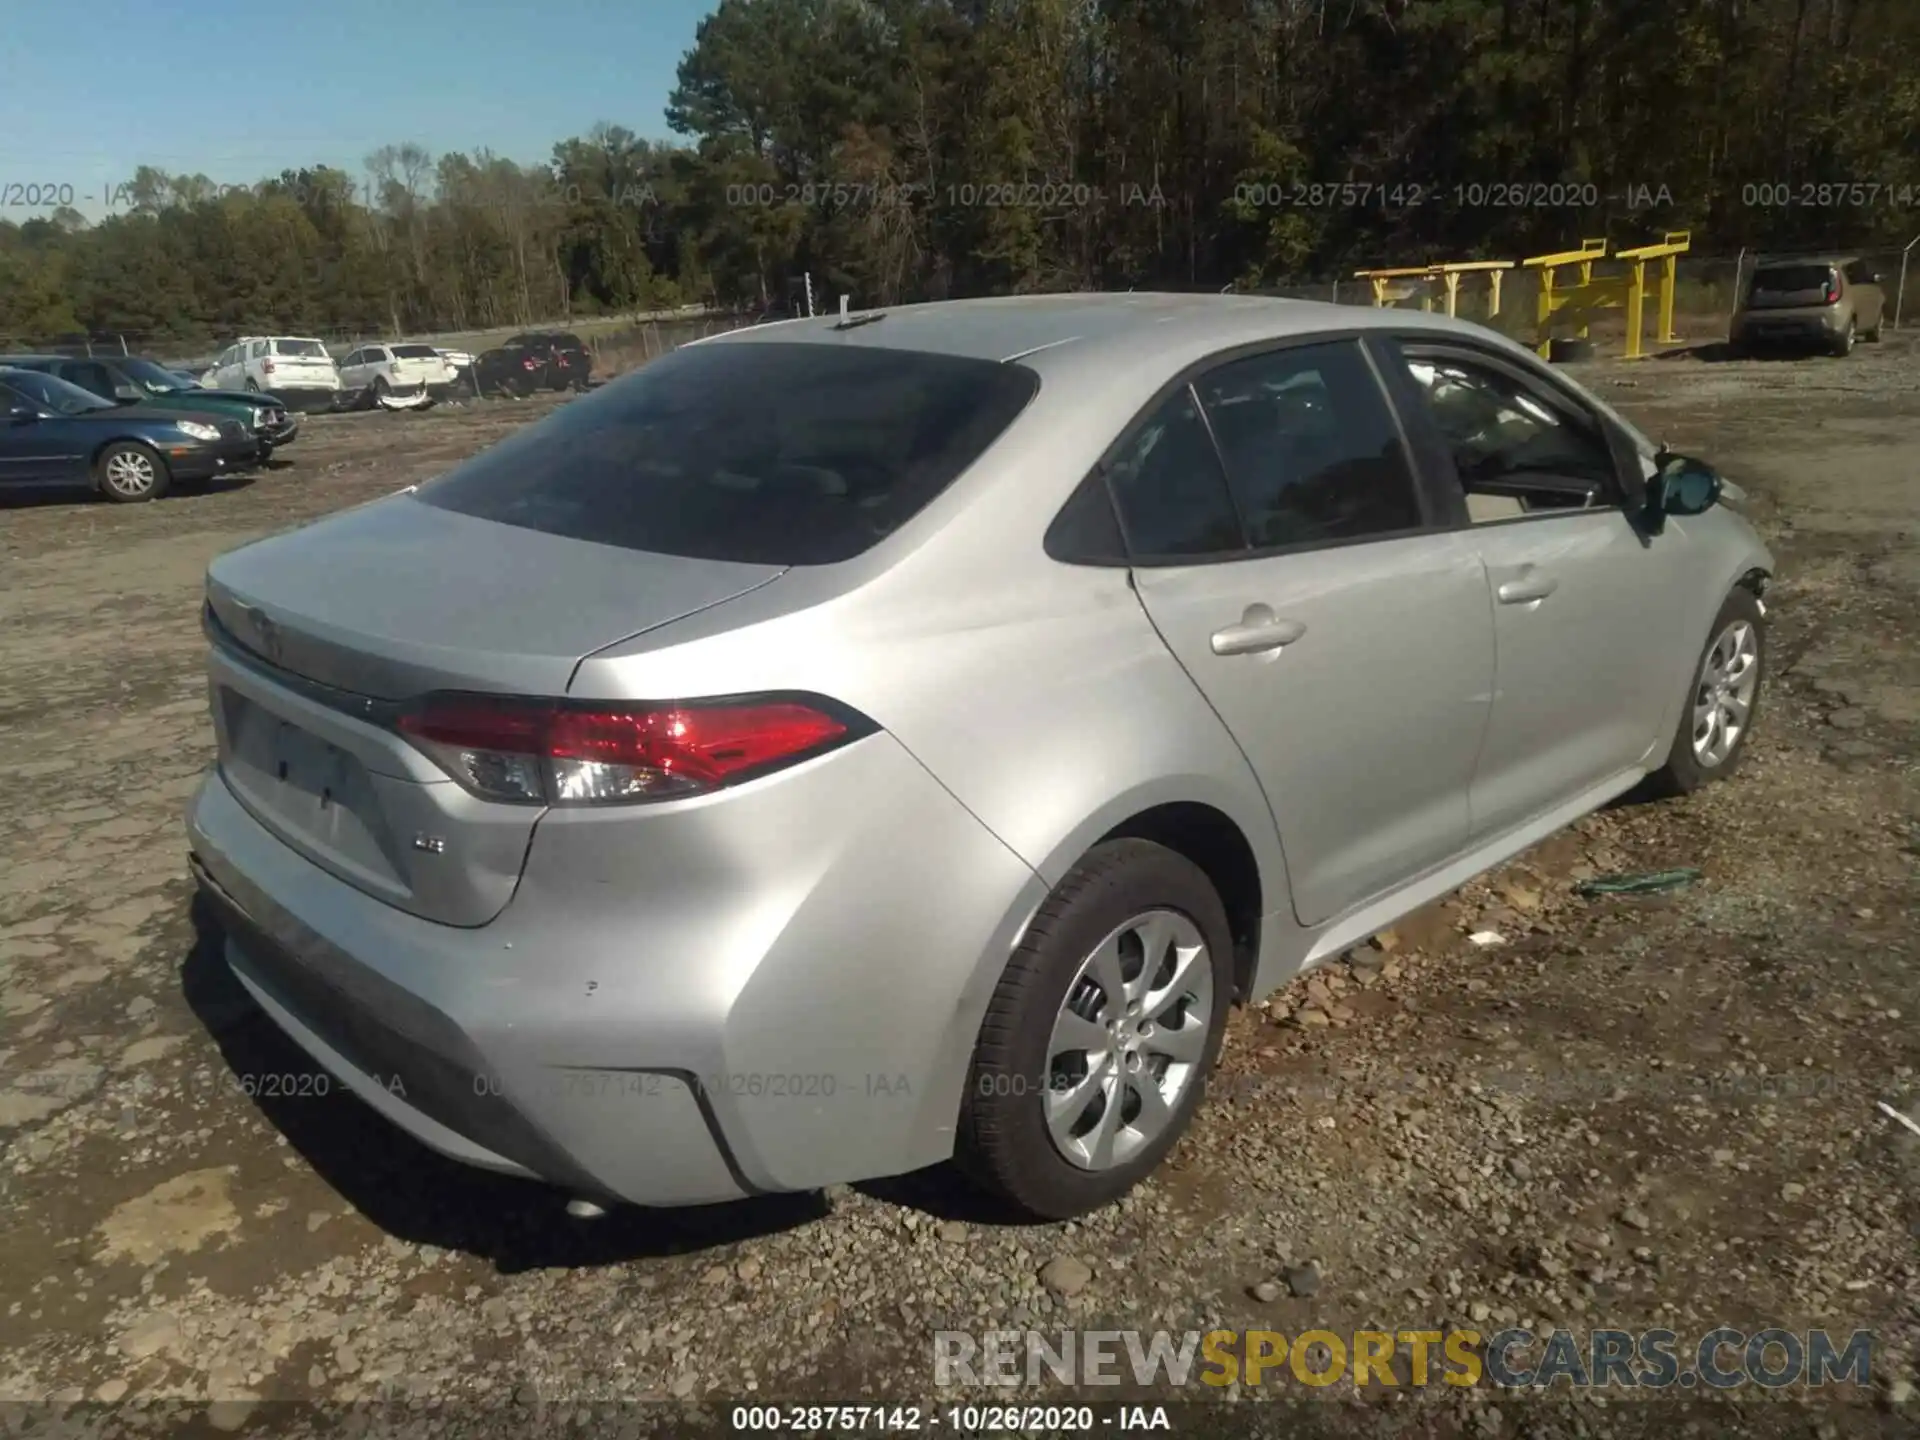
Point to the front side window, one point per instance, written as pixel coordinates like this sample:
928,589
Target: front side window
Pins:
764,454
1510,443
1311,448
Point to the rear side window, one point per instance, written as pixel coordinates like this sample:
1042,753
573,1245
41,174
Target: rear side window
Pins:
1311,449
765,454
1169,489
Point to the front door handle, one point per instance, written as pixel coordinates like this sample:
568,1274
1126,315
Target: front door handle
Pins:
1526,589
1259,630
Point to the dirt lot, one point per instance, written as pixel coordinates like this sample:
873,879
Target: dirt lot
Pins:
1641,1111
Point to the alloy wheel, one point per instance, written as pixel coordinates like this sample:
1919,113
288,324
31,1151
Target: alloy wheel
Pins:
1129,1039
1723,698
130,474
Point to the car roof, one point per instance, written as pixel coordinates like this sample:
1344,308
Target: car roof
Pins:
1083,331
12,361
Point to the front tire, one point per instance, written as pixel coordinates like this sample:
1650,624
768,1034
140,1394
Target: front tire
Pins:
1096,1046
128,473
1723,700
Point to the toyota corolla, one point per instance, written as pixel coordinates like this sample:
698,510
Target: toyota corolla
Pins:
856,742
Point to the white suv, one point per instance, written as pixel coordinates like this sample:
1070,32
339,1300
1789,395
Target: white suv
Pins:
282,365
395,369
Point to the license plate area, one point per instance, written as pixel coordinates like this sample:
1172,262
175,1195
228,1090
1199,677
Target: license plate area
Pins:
317,796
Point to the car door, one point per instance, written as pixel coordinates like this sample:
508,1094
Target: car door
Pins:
1869,301
1581,594
350,370
38,449
1286,553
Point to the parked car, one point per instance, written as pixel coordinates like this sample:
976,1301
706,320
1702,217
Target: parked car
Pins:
1825,302
461,364
59,434
299,371
382,370
129,380
1047,676
537,360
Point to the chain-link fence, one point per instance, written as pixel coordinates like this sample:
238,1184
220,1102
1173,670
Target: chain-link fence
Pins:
1707,288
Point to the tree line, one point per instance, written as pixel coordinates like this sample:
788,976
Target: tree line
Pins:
918,149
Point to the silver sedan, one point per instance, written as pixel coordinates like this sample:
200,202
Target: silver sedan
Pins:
853,743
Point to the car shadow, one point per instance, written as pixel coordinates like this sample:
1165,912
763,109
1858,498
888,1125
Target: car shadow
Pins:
419,1195
1719,352
942,1192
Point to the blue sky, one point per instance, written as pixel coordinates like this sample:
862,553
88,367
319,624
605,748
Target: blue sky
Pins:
238,93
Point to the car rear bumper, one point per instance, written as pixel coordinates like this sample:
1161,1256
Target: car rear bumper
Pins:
657,1023
1793,327
306,398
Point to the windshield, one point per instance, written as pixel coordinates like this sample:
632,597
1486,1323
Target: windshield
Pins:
301,349
767,454
1789,279
153,377
51,393
415,352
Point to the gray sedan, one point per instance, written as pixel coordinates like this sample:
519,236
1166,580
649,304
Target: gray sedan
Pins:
852,743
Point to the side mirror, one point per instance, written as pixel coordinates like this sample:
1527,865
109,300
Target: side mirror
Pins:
21,413
1684,486
127,392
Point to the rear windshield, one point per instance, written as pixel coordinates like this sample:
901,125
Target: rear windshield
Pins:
1789,279
415,352
764,454
309,348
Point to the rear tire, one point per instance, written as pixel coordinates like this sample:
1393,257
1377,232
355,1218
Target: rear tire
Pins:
1692,763
252,388
1844,345
1134,937
129,473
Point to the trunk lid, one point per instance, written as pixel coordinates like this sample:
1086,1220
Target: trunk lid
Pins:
302,367
418,365
318,634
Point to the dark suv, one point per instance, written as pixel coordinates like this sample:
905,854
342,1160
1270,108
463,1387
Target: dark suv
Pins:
1821,302
536,360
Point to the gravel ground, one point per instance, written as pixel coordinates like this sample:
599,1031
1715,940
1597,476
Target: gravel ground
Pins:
1640,1111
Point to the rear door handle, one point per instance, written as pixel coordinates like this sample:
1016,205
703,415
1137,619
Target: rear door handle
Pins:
1527,588
1259,630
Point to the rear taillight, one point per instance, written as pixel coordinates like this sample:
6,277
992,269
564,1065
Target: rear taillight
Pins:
538,753
266,367
1833,292
529,364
